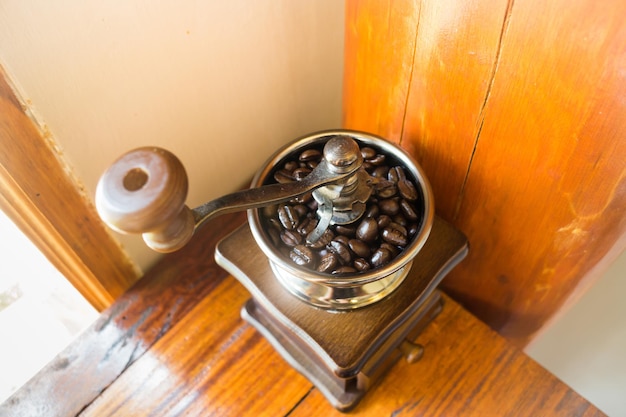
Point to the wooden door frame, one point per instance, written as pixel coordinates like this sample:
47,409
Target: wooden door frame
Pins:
40,195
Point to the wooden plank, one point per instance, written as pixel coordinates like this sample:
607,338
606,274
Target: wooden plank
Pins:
516,112
210,363
379,48
467,370
545,196
126,330
456,55
45,202
174,344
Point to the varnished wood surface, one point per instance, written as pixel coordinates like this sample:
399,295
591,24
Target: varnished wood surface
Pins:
515,110
42,198
175,344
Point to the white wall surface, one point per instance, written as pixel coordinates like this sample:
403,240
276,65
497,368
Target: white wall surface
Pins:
222,84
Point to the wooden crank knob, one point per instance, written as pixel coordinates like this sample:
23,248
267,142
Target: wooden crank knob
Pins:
144,191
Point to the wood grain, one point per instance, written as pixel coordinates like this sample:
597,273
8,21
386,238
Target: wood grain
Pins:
467,370
515,110
127,329
174,344
46,203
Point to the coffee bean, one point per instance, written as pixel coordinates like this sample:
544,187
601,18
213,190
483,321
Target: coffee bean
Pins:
310,155
372,211
386,189
380,257
345,230
393,250
288,217
324,240
367,152
361,264
341,250
394,236
328,262
341,238
380,172
407,190
283,176
408,210
379,159
291,165
290,238
344,270
396,174
359,247
400,219
367,230
301,255
389,206
383,221
307,226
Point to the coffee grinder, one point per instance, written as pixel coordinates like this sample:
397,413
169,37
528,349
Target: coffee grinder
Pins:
342,252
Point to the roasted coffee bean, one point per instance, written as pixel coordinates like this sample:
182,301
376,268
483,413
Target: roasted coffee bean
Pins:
400,219
345,230
377,160
301,255
380,172
344,270
324,240
412,229
383,221
389,206
396,174
393,250
372,211
380,257
328,262
341,250
361,264
290,238
394,236
368,153
359,247
367,230
408,210
306,226
288,217
407,190
283,176
310,155
341,238
291,165
386,189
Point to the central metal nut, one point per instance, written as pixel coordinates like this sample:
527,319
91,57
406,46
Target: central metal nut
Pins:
342,153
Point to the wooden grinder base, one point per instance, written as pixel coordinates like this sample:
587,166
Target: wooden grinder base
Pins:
342,353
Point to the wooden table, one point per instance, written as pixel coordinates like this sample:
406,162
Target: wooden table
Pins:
175,344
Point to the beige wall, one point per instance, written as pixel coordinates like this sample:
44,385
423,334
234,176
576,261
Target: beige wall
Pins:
220,83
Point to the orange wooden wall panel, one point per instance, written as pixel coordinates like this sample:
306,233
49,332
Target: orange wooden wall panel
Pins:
516,111
379,51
